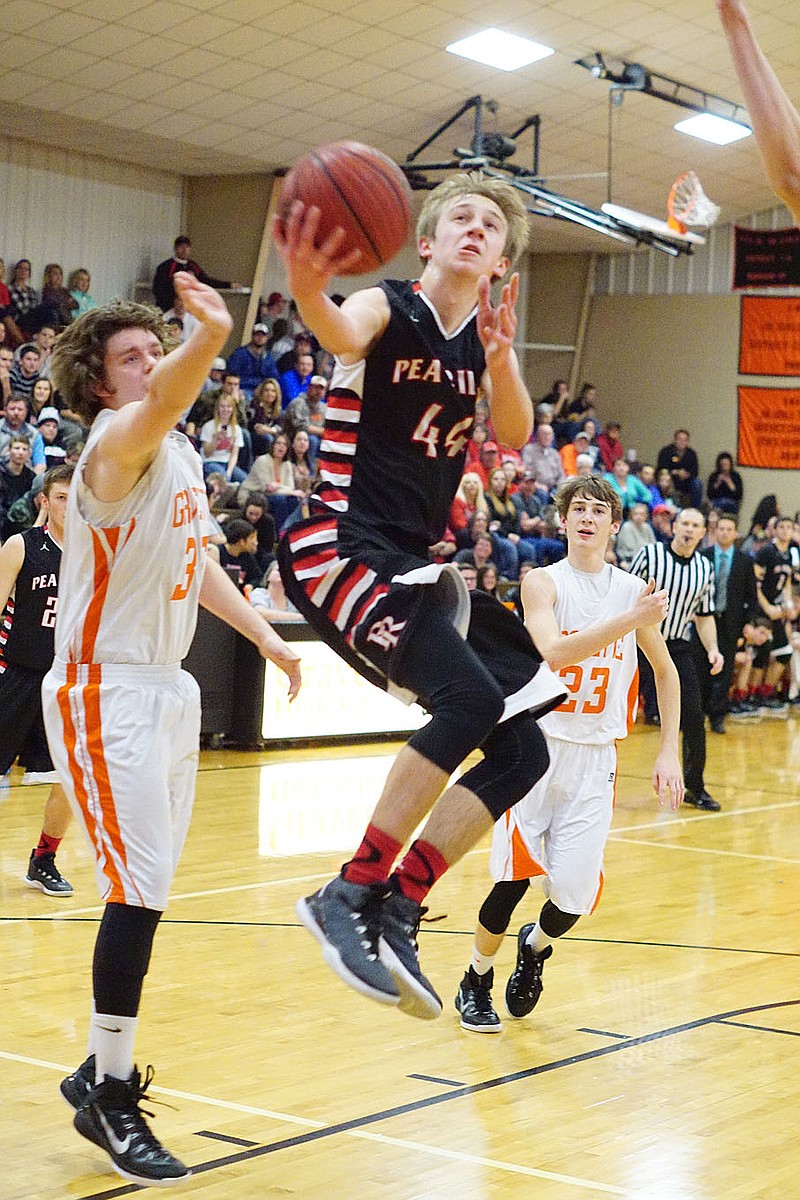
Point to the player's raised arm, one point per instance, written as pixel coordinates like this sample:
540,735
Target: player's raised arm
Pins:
349,330
563,650
775,119
667,773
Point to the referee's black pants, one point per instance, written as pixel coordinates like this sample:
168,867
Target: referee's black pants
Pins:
692,716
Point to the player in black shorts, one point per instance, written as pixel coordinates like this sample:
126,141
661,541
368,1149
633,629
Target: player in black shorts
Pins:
29,565
410,358
777,568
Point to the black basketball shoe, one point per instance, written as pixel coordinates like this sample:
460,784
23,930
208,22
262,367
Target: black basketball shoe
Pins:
525,985
346,918
474,1002
45,875
400,918
110,1117
76,1087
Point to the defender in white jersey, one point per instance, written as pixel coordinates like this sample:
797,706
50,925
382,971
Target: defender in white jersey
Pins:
122,718
584,617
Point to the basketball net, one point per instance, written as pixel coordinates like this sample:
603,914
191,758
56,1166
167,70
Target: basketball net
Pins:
689,205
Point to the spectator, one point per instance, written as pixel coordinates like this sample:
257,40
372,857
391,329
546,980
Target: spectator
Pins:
213,382
512,469
265,415
681,461
203,408
631,490
503,523
295,380
24,512
43,340
15,423
758,535
661,520
478,553
49,428
300,459
307,411
303,343
222,440
25,372
272,602
541,457
488,459
647,474
591,427
725,487
272,474
257,512
41,398
237,555
79,283
187,323
16,478
280,341
469,574
253,363
24,301
58,306
569,453
584,464
469,498
181,260
487,579
271,310
609,445
585,404
710,538
735,605
633,534
6,363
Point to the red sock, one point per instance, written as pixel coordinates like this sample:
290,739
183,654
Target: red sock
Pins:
374,858
419,870
47,845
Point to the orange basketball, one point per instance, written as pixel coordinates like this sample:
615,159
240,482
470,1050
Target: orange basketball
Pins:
358,188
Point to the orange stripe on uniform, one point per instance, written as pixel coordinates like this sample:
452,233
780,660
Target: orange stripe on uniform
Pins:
522,865
94,744
633,701
70,741
102,574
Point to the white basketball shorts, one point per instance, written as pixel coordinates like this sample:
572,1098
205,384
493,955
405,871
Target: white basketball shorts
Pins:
125,742
559,829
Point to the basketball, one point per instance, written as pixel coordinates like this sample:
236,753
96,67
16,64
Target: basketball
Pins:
361,190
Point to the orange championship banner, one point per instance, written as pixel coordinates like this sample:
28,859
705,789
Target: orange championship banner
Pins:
769,428
769,335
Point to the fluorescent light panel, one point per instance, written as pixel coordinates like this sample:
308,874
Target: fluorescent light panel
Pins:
505,51
713,129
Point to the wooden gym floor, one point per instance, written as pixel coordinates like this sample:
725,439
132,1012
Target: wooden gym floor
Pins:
662,1063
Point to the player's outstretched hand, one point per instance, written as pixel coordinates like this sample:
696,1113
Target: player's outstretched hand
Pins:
497,327
650,606
274,648
202,301
668,780
310,267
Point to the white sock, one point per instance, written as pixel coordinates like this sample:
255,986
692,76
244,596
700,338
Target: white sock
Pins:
112,1041
481,963
538,940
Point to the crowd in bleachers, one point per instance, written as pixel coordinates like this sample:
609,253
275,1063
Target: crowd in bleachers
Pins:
258,423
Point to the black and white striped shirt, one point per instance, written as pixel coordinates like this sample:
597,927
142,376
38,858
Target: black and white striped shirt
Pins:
689,583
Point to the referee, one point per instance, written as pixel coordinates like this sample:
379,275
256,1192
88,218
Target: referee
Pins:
688,578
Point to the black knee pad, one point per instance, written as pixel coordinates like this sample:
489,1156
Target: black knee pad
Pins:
515,757
498,907
463,715
553,922
121,957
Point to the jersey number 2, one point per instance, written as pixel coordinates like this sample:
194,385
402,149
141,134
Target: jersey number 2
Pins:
596,702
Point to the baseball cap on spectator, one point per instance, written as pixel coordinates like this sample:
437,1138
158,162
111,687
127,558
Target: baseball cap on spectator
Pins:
273,298
528,475
47,414
319,379
581,434
662,508
218,364
260,328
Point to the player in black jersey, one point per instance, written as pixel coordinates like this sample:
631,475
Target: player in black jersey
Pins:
29,565
410,358
777,568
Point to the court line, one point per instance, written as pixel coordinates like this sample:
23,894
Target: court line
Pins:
649,826
789,862
358,1123
763,1028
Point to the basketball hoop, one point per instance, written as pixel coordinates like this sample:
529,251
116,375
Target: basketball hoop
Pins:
689,205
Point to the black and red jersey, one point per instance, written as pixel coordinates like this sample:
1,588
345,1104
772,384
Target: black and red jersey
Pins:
779,568
27,629
396,429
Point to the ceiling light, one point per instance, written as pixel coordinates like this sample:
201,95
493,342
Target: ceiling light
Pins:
505,51
713,129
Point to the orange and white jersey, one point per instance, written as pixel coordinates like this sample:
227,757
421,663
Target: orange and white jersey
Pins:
131,570
603,689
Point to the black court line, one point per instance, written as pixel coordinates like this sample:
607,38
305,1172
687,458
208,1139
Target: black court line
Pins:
315,1135
436,1079
605,1033
762,1028
224,1137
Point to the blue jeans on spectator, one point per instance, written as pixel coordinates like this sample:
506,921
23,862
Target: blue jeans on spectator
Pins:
237,475
281,507
505,555
543,551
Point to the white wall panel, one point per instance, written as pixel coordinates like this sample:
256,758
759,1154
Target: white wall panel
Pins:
119,221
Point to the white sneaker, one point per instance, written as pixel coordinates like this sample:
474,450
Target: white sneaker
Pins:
30,778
